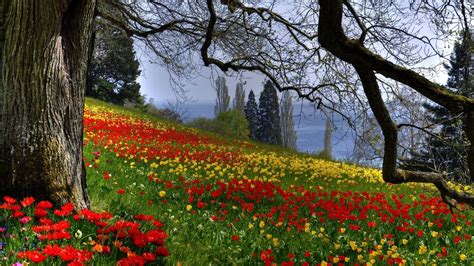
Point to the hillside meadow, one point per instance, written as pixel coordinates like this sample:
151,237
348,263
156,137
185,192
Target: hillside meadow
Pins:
162,193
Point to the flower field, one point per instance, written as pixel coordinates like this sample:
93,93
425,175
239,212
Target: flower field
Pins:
165,194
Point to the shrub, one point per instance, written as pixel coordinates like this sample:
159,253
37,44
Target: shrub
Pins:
202,123
232,124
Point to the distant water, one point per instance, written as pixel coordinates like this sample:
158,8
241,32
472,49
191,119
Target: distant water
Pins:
309,126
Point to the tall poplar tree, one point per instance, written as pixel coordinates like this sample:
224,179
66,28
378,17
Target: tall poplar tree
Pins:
251,113
223,98
327,148
288,132
239,100
269,130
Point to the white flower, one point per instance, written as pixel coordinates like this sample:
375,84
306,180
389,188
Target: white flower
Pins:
78,234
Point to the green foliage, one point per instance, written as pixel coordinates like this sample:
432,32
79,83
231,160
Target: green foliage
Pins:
232,124
165,113
205,124
251,113
113,69
459,69
269,130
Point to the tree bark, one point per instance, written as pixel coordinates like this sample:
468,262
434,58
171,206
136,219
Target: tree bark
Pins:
44,49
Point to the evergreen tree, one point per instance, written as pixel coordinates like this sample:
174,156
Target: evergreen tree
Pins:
461,66
288,132
449,144
251,113
223,98
113,69
239,100
269,130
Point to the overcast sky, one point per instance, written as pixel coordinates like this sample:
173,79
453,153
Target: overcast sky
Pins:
155,83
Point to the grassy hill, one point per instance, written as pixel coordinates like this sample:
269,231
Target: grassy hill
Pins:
165,193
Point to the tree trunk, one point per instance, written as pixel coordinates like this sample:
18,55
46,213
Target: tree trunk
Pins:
44,50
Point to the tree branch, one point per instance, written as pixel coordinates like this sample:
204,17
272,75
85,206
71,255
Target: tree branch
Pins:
226,66
332,37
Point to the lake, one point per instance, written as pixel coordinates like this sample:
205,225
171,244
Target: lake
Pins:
309,126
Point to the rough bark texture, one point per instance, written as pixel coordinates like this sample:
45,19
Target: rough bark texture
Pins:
366,63
44,50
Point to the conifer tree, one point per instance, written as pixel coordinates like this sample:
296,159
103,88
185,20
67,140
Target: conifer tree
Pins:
223,98
239,100
251,113
288,132
447,149
113,69
269,130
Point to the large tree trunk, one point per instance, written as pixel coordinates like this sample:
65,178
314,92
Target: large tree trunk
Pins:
44,49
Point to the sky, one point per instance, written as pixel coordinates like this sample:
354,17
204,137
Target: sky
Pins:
155,83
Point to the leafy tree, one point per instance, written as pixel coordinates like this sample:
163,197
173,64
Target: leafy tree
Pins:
288,132
223,98
269,130
232,124
239,100
113,68
251,113
203,123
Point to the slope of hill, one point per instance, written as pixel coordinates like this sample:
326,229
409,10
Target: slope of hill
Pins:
225,201
179,196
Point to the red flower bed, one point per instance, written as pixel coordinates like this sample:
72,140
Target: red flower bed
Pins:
72,237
